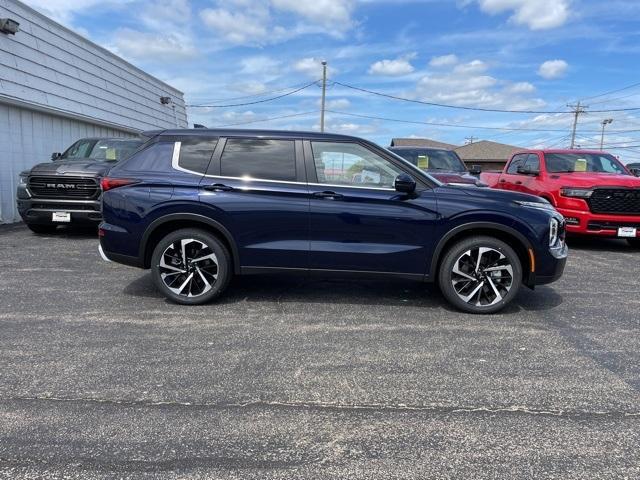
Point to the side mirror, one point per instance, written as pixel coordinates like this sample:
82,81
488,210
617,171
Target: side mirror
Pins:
475,170
635,171
405,183
55,156
522,170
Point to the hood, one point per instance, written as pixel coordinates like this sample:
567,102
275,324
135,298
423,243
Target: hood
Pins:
72,167
593,179
453,177
495,195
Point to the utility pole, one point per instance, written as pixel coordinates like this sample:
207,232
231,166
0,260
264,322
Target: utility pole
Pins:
605,122
470,139
578,109
324,94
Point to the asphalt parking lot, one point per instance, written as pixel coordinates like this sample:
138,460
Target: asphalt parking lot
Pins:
285,377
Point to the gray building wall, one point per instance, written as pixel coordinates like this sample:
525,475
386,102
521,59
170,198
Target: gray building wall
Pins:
57,87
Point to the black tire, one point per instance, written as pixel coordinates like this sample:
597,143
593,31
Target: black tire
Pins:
634,242
41,229
460,256
164,253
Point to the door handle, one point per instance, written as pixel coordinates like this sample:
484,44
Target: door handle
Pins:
218,187
502,180
328,195
518,182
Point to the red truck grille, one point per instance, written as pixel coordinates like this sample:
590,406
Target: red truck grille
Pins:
621,201
63,187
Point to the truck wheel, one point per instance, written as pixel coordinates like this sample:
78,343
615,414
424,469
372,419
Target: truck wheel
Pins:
41,229
634,242
190,267
480,275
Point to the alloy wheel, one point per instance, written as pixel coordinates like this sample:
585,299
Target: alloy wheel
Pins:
482,276
188,267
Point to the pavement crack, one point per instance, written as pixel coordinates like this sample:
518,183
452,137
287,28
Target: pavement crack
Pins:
329,406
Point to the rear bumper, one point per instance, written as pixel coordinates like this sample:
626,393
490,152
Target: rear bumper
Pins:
582,222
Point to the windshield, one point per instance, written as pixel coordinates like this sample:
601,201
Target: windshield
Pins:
111,150
430,160
583,162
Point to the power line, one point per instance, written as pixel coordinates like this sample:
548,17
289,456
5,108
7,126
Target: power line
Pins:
300,114
456,125
257,101
477,109
612,91
253,95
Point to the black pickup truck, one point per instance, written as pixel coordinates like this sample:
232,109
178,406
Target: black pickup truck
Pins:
66,190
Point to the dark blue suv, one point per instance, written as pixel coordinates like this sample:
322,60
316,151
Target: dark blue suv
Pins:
198,206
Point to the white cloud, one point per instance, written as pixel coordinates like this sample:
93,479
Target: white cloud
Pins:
469,84
393,68
238,27
165,14
443,61
473,67
535,14
260,65
312,67
329,13
553,69
337,104
150,46
63,10
521,87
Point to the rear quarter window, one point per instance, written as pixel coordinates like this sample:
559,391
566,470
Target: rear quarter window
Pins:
155,157
196,153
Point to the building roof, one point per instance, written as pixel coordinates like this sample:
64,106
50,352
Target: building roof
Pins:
486,150
420,142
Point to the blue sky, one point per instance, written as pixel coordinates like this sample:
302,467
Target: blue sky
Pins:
498,54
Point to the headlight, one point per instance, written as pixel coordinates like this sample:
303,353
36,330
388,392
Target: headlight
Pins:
554,227
23,179
576,192
544,205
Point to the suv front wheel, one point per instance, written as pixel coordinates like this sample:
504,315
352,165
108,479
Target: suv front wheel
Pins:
480,274
191,266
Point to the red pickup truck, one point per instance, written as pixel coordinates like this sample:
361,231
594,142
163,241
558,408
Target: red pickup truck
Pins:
596,193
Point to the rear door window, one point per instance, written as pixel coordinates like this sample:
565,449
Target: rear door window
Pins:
257,158
196,153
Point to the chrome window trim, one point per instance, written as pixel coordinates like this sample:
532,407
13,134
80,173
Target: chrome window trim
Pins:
251,179
175,158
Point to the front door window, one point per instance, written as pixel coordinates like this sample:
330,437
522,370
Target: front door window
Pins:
350,164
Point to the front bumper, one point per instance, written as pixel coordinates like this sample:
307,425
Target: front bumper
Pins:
582,222
554,265
40,210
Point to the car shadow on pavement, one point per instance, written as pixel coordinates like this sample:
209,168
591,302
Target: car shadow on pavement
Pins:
302,289
599,244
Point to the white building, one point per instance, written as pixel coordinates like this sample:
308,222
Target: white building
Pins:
56,87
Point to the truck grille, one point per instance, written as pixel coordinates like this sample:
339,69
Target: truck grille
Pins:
63,187
621,201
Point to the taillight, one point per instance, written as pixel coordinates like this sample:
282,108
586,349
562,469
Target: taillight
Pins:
110,183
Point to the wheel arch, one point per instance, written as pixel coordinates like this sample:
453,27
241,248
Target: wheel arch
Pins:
175,221
511,236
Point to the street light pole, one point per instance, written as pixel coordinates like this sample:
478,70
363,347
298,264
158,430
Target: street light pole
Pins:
324,93
604,124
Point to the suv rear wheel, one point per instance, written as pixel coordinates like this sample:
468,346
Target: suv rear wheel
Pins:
190,266
480,275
